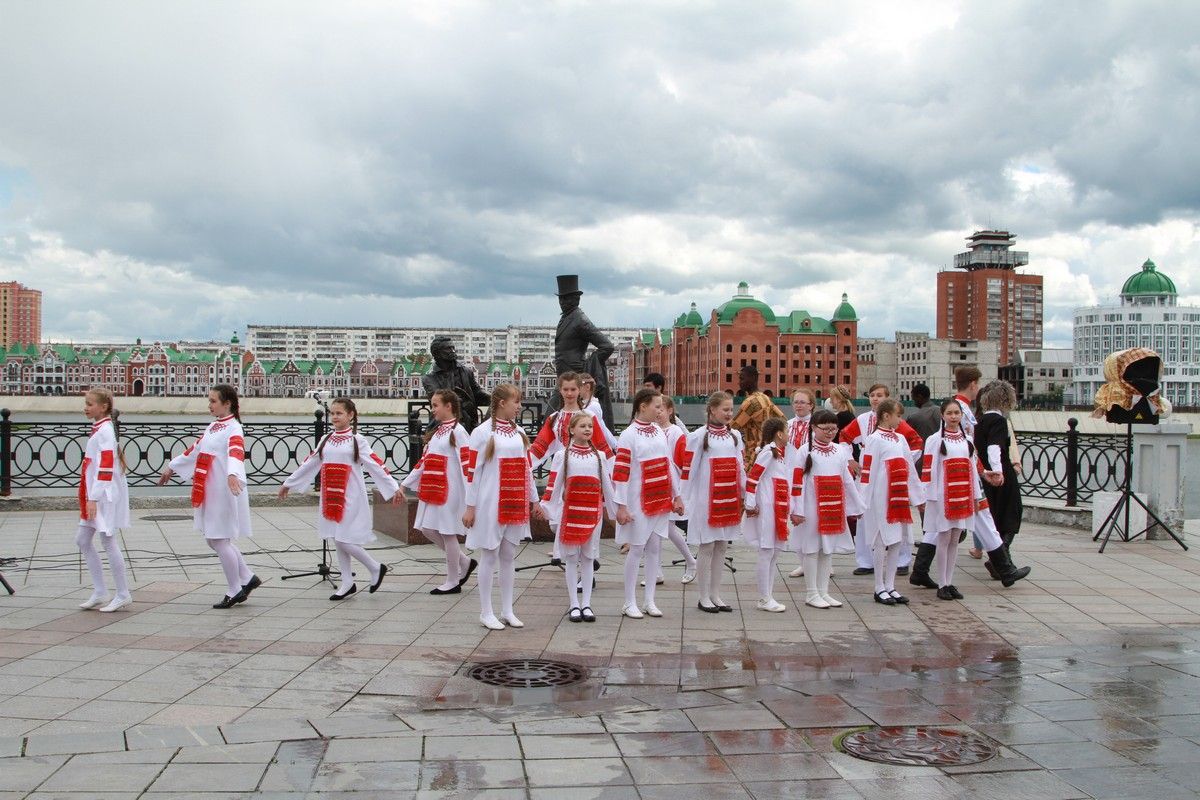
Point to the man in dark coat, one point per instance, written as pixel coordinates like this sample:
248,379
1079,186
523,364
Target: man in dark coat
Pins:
449,374
575,332
926,418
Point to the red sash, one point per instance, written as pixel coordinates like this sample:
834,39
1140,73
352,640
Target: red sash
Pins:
781,509
200,478
434,488
83,493
656,487
831,504
724,505
957,483
581,509
897,496
334,480
513,508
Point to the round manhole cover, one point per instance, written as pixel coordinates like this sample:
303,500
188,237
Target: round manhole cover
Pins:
918,747
527,673
167,517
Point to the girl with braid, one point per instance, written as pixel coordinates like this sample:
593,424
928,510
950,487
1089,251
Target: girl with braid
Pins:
103,502
710,462
440,479
345,512
767,498
500,500
577,495
216,466
824,496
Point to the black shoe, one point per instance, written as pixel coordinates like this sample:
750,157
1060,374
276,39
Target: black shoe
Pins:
900,599
353,588
707,609
440,590
902,571
944,593
587,614
962,536
382,571
864,571
728,609
954,591
227,601
1000,565
921,564
251,585
991,570
884,598
575,615
241,596
470,568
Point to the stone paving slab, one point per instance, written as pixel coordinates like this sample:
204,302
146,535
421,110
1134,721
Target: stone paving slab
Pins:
1086,676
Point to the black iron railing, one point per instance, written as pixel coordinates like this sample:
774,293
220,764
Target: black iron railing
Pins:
1070,466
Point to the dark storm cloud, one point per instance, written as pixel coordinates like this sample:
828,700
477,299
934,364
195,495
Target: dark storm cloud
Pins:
413,151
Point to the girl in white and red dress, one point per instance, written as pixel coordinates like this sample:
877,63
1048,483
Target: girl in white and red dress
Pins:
768,495
578,493
555,432
890,487
952,493
216,466
345,513
710,460
440,479
804,402
647,491
589,403
824,495
103,502
678,527
501,498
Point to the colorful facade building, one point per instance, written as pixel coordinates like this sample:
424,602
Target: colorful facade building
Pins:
698,356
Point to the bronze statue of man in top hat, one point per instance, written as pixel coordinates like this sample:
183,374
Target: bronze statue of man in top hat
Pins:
447,373
575,332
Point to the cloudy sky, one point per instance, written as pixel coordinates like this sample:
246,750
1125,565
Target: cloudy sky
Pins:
178,170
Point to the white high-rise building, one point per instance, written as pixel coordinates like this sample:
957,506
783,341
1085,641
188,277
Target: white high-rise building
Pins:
1148,316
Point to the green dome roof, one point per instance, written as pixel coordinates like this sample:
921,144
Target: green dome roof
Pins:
691,319
845,312
742,301
1148,281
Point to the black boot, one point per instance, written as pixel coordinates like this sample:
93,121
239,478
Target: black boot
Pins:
1000,565
921,564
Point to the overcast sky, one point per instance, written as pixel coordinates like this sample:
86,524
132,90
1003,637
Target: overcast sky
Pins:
178,170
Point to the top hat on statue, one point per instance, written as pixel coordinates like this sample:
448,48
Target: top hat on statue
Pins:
568,284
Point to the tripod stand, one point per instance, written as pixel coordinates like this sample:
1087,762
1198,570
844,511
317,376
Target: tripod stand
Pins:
1124,504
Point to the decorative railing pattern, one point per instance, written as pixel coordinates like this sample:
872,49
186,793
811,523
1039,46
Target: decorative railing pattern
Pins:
1068,466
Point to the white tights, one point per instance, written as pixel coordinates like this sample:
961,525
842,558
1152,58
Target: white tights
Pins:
504,557
344,552
233,564
116,561
677,539
947,554
456,561
652,549
709,564
886,561
767,558
579,567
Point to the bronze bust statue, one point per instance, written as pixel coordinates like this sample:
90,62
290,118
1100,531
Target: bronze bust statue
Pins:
447,373
575,332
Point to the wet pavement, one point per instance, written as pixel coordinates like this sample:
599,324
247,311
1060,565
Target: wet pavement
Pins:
1085,678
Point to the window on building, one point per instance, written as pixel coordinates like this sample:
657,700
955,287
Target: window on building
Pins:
729,363
807,348
768,366
753,348
743,348
768,348
729,377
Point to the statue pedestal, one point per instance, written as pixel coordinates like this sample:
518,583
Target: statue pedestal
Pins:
1159,469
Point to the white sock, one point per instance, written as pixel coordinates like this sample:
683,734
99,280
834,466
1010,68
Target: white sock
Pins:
676,537
359,552
116,562
587,569
228,555
812,575
653,554
947,552
485,574
889,569
345,567
765,568
83,540
715,572
824,567
244,571
879,557
570,559
508,576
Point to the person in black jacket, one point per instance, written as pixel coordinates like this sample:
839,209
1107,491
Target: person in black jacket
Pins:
993,443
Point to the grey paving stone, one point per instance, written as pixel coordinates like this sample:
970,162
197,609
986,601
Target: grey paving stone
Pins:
384,748
73,777
25,774
273,731
54,744
153,736
205,778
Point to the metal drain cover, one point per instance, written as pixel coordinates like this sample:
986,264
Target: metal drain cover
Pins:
918,747
527,673
167,517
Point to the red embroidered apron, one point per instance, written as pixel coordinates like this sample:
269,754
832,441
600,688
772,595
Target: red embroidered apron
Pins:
656,487
513,508
334,480
83,493
831,504
581,509
897,496
957,482
434,488
724,504
200,478
781,509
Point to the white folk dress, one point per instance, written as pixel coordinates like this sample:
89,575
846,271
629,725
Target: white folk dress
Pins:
797,434
768,490
576,505
345,510
555,435
674,433
219,453
890,487
500,488
440,480
713,481
593,408
644,482
102,481
825,495
952,489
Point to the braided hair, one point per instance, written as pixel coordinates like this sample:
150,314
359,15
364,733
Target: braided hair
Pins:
228,394
347,404
822,416
970,444
503,391
715,400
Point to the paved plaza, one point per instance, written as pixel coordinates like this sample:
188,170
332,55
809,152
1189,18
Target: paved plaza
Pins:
1086,677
